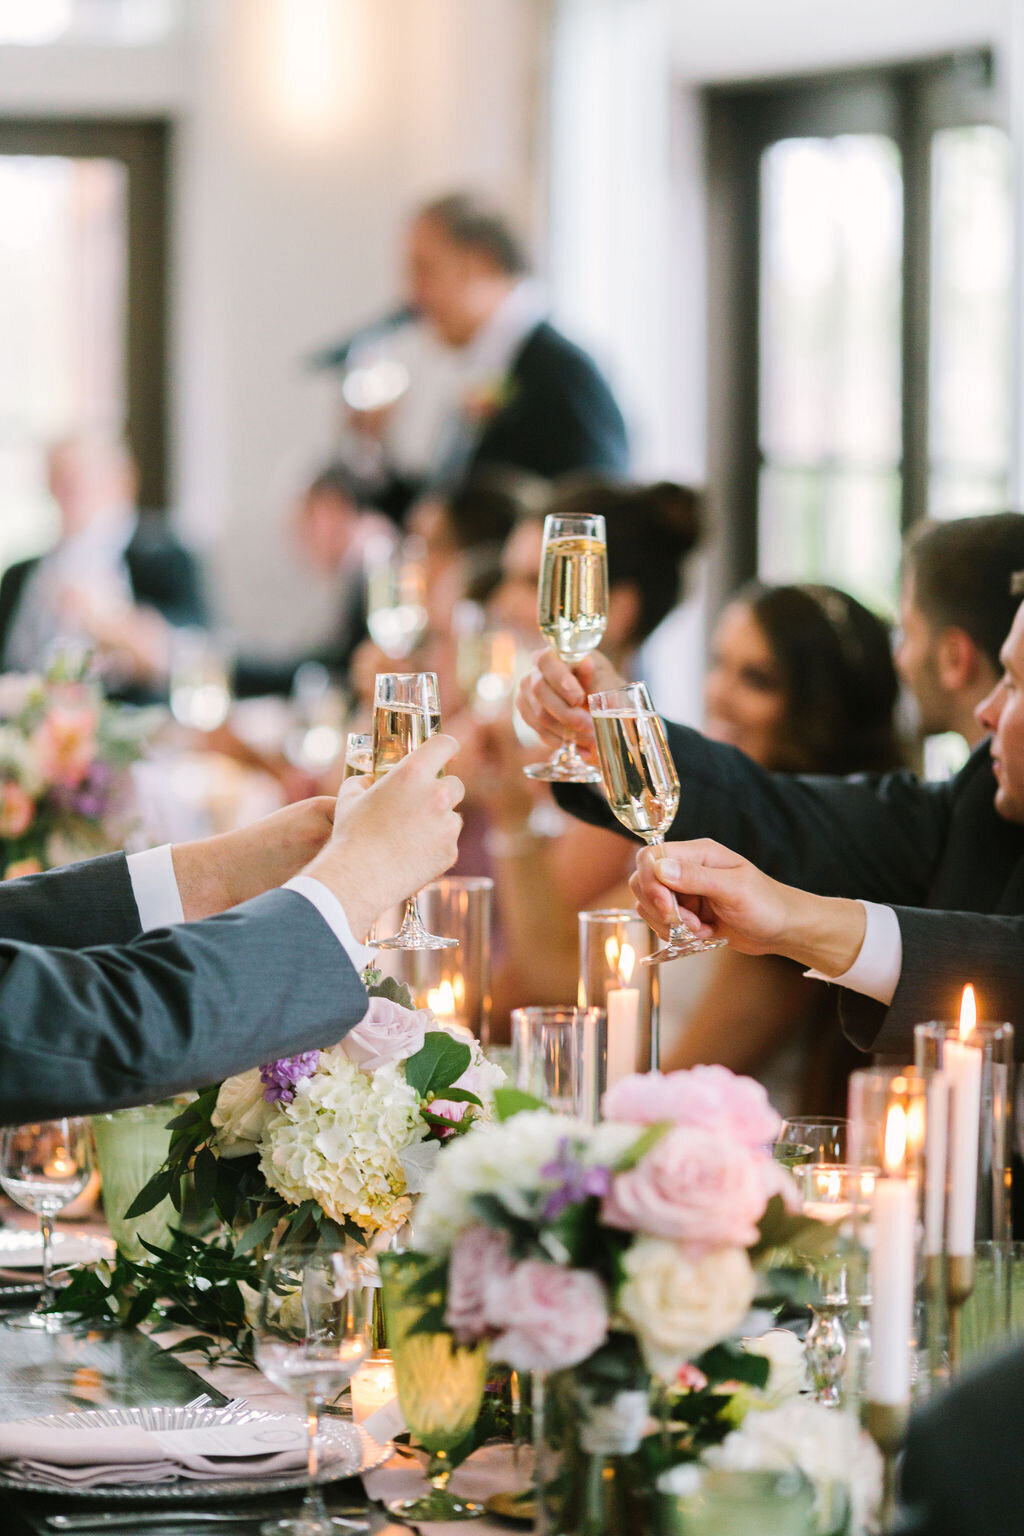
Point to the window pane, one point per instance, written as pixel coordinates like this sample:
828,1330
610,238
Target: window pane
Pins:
841,527
831,299
62,316
971,335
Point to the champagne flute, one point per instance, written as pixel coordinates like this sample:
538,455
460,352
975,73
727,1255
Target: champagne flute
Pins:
200,686
358,754
396,596
312,1333
572,611
43,1168
406,713
642,785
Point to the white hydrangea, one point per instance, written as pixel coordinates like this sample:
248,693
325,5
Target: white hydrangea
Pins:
502,1159
340,1142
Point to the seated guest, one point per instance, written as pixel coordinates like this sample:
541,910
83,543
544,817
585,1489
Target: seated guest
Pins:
956,609
889,839
116,581
113,1015
522,394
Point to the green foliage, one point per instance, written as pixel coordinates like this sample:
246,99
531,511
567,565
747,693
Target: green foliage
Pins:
511,1101
780,1229
440,1061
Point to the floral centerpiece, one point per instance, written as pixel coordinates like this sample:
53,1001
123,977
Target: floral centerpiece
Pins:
64,755
611,1257
334,1144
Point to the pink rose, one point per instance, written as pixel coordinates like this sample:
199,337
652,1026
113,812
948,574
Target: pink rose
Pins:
695,1187
64,744
711,1097
479,1261
445,1109
17,808
387,1032
550,1318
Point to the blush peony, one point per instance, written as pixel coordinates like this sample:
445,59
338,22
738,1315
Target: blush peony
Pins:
695,1187
550,1318
17,810
679,1306
64,744
480,1261
712,1097
387,1032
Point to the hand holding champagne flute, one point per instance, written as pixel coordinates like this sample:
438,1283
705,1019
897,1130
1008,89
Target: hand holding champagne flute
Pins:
572,611
406,713
641,783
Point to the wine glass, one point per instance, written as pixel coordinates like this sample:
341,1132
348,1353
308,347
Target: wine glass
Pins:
406,712
312,1333
43,1168
572,611
200,689
396,596
642,785
825,1138
440,1386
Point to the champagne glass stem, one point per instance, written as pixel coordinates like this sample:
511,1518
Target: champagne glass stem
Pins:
679,936
49,1295
313,1507
439,1472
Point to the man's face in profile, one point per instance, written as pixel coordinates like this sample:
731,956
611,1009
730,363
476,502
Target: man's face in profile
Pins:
1002,713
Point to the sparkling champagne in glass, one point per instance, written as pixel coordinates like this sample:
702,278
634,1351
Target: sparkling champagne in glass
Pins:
642,785
406,713
43,1168
572,611
396,596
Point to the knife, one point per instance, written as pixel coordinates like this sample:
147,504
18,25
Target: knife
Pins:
143,1519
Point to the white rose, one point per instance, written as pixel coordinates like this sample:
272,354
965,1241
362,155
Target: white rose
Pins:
678,1307
785,1354
386,1033
241,1115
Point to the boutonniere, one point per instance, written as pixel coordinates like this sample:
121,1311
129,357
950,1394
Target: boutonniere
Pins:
487,398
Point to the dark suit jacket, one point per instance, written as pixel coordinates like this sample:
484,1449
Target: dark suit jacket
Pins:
162,574
559,416
888,838
961,1474
104,1016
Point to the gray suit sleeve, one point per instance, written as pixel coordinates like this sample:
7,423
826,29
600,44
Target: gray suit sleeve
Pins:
176,1008
878,837
73,908
942,951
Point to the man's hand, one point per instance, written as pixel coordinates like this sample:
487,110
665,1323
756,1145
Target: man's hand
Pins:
393,837
721,895
553,696
215,873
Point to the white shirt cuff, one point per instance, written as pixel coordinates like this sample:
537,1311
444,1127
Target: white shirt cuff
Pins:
155,888
876,970
333,914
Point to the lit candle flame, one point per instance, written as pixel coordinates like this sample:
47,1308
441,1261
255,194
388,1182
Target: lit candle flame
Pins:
895,1138
830,1184
441,1000
611,952
968,1012
916,1128
627,960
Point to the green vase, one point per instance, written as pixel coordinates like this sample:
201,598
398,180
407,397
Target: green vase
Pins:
131,1144
589,1479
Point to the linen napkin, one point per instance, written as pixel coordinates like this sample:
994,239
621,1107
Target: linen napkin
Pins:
88,1457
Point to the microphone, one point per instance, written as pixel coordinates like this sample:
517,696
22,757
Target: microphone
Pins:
337,355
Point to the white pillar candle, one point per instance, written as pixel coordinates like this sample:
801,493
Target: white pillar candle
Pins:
892,1291
935,1162
623,1017
963,1064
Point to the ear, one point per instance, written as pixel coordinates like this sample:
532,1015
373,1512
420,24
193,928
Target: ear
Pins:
623,613
958,660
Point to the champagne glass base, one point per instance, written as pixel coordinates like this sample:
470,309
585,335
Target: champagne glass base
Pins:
559,773
414,941
680,951
436,1505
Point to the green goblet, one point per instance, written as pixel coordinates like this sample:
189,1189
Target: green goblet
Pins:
440,1386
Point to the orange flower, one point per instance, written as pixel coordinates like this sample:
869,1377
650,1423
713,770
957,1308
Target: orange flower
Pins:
22,867
65,744
17,810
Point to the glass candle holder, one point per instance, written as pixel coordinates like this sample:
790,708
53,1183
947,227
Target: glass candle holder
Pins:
838,1195
558,1055
131,1144
455,984
613,941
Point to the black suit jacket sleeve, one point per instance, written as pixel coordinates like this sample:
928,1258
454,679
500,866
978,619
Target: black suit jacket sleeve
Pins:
870,836
73,908
941,951
99,1028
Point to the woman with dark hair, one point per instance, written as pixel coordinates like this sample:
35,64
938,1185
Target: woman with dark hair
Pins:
802,680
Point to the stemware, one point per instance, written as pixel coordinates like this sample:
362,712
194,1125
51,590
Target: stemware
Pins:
572,611
358,754
44,1167
396,596
200,688
312,1333
440,1386
838,1194
642,785
825,1138
406,712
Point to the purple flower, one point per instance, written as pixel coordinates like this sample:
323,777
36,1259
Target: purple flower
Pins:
576,1181
279,1078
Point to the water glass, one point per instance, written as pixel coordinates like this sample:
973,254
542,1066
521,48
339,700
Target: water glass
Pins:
559,1056
44,1167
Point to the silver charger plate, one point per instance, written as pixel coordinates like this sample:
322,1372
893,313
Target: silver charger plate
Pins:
198,1490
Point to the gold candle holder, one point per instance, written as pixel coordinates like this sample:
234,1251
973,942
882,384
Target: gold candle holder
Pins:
886,1423
959,1285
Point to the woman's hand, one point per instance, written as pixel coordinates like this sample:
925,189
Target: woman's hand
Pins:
553,696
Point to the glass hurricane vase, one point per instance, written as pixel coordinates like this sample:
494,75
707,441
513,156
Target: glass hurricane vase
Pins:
586,1436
